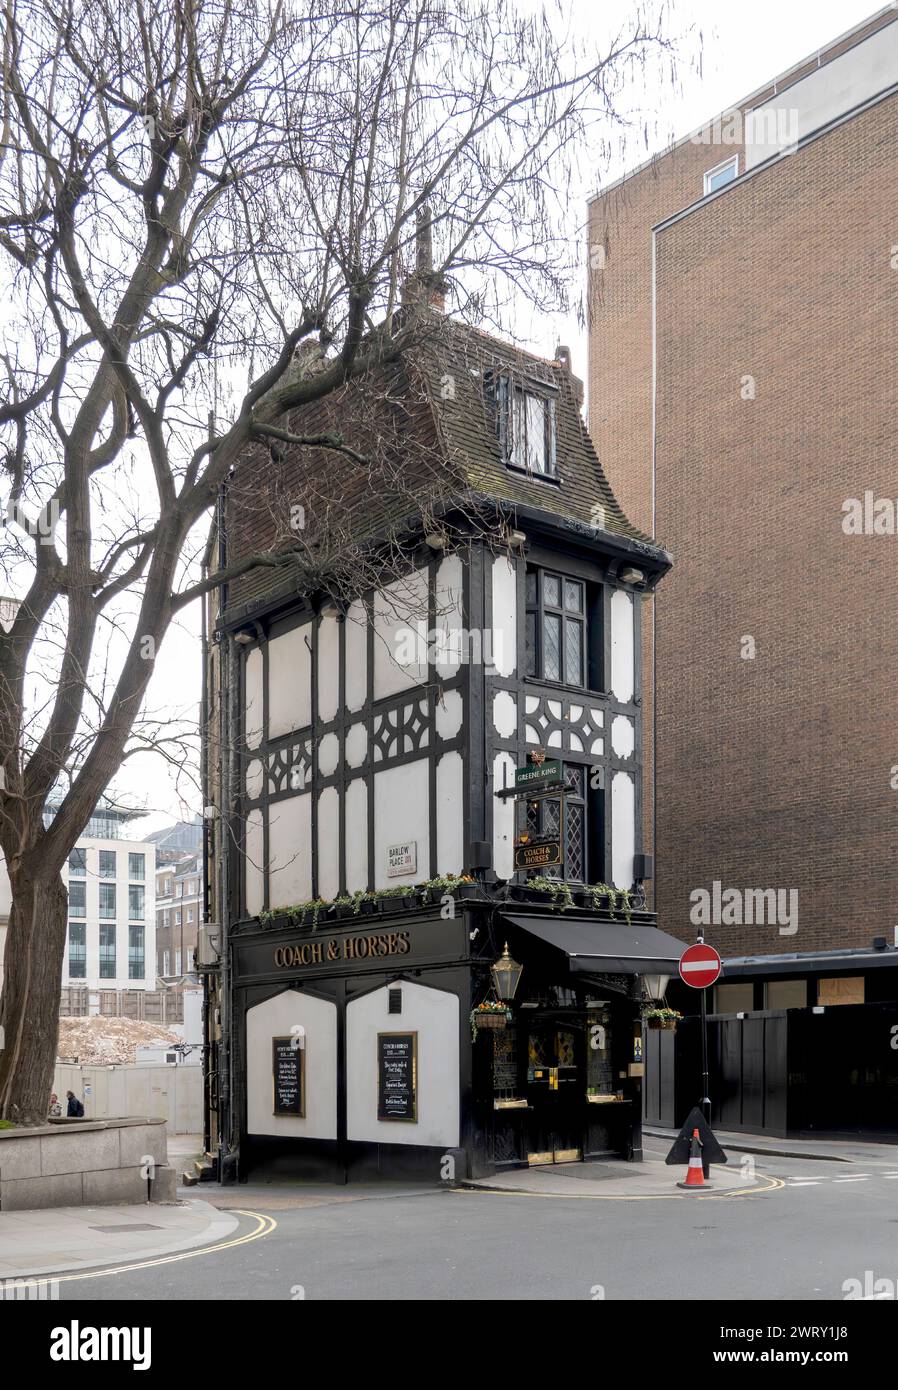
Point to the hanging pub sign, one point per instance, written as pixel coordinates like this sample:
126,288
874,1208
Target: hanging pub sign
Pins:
397,1076
289,1071
538,775
537,854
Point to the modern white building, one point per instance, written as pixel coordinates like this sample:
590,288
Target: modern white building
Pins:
111,881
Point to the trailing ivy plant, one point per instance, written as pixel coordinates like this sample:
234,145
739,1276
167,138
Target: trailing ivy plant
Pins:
556,887
315,906
616,897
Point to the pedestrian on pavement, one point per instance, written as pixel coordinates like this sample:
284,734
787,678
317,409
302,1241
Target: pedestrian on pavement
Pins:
75,1110
55,1110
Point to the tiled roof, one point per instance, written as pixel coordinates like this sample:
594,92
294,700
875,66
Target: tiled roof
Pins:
466,419
432,419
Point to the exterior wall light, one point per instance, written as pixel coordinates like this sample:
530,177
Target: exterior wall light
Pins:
244,637
631,575
506,975
655,986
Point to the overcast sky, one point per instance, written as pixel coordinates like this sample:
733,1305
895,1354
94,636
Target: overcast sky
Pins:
743,47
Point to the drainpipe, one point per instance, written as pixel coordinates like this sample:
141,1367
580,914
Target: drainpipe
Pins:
225,682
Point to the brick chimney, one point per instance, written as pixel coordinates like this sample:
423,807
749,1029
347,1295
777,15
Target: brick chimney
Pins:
424,286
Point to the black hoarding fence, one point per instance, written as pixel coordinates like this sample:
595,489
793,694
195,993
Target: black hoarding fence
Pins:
781,1072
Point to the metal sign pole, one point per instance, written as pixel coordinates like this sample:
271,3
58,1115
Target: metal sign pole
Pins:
706,1084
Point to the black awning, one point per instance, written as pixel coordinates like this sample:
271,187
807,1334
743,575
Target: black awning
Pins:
607,947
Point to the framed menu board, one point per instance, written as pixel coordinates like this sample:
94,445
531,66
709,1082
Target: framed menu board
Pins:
397,1076
505,1059
289,1075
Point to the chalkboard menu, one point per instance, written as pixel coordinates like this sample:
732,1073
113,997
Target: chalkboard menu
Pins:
289,1071
397,1076
505,1059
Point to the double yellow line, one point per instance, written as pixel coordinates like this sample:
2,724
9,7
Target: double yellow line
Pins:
265,1225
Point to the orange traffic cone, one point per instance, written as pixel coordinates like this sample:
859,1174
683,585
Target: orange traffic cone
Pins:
695,1176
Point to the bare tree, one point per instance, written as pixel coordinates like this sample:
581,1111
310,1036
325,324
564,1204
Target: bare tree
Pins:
188,189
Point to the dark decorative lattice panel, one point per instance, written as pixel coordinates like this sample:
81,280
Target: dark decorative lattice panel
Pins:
401,730
290,768
560,724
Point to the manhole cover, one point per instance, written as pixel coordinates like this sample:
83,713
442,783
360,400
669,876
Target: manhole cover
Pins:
135,1226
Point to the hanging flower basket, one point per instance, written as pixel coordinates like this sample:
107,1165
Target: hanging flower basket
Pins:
488,1015
489,1020
665,1020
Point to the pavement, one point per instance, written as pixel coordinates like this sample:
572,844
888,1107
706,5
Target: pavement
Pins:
848,1150
65,1240
625,1181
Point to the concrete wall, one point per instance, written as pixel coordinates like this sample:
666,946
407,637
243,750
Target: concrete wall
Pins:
72,1165
174,1094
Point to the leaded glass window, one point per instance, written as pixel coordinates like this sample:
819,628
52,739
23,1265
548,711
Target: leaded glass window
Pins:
555,628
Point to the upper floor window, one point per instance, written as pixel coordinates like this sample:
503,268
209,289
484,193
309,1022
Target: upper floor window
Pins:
77,903
136,866
525,424
107,899
78,861
135,901
556,627
722,174
107,863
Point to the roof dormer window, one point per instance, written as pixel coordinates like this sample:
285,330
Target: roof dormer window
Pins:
525,425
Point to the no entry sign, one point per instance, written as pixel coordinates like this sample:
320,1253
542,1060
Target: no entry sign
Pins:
699,965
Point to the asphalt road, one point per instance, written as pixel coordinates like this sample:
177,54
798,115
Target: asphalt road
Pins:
830,1222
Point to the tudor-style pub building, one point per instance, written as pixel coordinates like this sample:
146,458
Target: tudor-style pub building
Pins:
429,935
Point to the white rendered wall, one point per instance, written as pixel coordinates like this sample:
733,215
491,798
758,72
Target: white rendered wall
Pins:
401,812
623,829
450,822
253,709
290,681
253,865
431,1013
622,646
398,611
449,617
505,631
328,668
356,655
356,836
276,1018
290,850
329,843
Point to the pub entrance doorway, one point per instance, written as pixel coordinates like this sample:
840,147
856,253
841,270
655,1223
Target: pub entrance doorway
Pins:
556,1086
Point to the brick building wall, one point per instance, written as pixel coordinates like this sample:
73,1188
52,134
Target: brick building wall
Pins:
775,772
620,236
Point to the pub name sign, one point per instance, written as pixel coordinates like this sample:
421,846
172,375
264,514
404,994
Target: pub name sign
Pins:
394,943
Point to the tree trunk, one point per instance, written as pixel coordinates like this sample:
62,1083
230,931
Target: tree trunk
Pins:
29,1007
